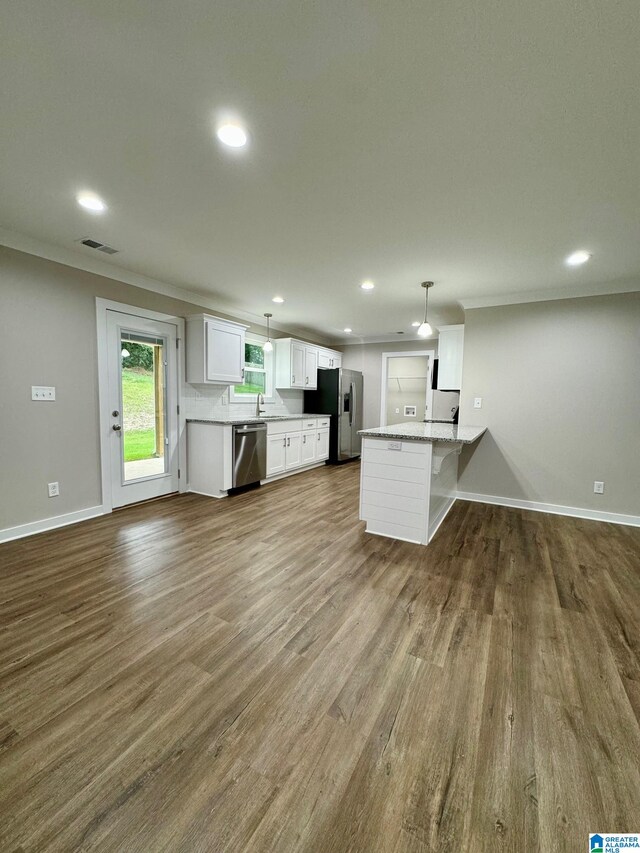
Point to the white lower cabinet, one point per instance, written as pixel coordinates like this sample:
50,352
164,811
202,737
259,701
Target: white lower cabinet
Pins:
296,444
322,444
276,454
309,442
293,450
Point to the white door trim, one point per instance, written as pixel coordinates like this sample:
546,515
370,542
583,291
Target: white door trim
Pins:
102,306
383,378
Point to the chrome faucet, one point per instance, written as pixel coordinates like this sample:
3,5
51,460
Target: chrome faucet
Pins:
260,402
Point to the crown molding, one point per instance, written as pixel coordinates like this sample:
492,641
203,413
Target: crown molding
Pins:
97,266
610,288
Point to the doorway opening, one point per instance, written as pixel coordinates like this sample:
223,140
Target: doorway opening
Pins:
406,387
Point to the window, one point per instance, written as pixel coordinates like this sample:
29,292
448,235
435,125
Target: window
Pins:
258,370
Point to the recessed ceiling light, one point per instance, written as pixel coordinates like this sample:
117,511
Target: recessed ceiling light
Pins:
577,258
416,324
91,202
232,135
348,330
367,285
278,299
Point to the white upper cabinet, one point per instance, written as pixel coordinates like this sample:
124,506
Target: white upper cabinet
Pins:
296,364
450,350
328,359
311,367
215,350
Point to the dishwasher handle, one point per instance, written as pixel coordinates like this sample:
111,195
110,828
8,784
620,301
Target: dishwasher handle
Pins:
244,430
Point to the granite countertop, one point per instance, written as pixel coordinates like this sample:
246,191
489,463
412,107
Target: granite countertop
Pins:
427,432
254,420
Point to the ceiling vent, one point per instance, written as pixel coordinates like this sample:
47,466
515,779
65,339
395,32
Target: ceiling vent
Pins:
101,247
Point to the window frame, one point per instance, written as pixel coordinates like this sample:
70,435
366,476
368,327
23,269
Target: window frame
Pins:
268,369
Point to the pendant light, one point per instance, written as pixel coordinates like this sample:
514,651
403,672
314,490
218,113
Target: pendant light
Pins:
424,329
268,346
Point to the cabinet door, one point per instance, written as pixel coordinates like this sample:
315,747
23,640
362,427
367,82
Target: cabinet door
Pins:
297,365
276,454
225,353
309,442
310,367
324,360
294,450
336,361
322,444
450,347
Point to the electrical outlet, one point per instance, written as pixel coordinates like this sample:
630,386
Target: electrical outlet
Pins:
598,487
43,392
397,411
54,490
477,402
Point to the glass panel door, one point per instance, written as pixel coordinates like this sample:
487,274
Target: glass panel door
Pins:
142,403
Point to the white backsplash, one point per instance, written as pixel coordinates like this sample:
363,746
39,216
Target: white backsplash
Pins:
212,401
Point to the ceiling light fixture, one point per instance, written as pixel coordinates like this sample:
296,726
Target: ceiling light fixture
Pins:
424,329
348,330
268,346
232,135
278,299
577,258
367,285
91,202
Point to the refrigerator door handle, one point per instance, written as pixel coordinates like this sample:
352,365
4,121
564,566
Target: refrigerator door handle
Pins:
352,407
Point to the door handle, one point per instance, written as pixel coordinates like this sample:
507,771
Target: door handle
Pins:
304,439
284,442
116,427
293,380
306,381
288,442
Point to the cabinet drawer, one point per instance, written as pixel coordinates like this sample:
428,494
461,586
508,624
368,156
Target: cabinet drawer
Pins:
309,423
323,422
282,427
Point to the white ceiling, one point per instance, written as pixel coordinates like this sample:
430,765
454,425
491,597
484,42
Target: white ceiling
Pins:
475,144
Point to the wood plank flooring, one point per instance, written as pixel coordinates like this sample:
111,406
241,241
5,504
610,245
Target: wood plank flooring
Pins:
258,674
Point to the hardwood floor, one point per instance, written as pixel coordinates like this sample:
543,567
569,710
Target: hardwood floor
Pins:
258,674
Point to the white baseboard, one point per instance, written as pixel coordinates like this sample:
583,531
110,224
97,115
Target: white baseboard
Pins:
554,509
23,530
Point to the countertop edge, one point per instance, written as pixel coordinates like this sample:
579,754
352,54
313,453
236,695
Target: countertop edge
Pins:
399,436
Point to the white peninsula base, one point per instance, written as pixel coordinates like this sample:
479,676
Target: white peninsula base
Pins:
408,486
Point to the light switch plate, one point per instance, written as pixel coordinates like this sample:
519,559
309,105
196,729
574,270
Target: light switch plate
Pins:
43,392
477,402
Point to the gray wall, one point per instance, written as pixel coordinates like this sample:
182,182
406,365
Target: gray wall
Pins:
367,358
48,337
560,383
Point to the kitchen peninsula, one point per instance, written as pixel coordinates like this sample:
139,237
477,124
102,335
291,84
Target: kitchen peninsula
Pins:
409,477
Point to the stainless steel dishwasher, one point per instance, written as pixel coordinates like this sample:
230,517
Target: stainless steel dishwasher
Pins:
249,454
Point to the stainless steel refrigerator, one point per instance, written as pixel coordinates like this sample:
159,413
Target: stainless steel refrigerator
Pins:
339,394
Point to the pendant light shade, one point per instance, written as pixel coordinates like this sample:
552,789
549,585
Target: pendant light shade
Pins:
424,329
268,346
